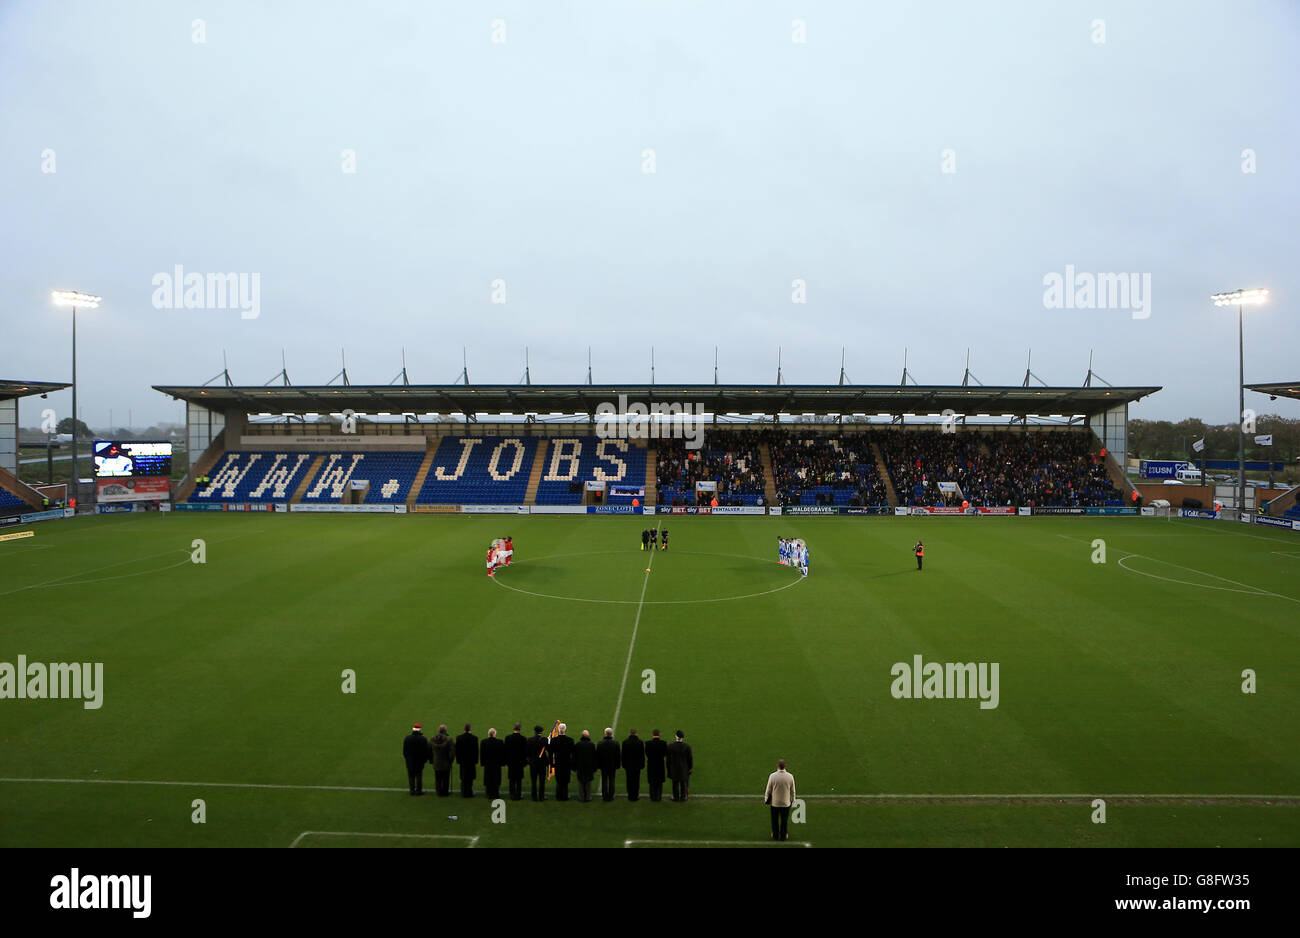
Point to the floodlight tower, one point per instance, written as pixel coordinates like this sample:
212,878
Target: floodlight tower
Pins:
1240,299
85,301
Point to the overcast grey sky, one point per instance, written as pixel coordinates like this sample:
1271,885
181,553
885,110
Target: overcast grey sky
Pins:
524,160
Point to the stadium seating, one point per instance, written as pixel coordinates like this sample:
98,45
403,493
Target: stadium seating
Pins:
10,503
390,476
999,468
254,476
490,470
572,461
827,470
731,459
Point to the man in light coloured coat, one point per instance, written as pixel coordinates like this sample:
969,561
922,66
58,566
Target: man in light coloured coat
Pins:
780,796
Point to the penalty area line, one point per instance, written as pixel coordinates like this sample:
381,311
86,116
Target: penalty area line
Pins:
297,840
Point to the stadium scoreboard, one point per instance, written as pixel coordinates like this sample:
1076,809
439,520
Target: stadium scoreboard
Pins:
120,459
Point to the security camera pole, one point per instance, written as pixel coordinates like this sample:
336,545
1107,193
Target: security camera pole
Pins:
1240,298
74,299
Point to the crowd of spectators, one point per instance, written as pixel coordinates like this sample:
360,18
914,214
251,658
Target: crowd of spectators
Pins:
730,458
989,467
1060,468
827,470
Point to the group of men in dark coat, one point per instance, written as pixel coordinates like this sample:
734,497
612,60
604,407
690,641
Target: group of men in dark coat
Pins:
541,754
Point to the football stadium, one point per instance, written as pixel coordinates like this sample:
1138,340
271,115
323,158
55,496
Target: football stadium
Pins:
1065,650
433,427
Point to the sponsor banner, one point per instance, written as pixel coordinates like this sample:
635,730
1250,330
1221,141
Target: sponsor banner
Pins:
592,485
16,535
1057,511
939,510
110,509
948,488
1148,512
1197,513
634,491
10,519
1110,510
682,510
996,510
614,510
739,510
901,510
164,506
869,510
1246,517
556,509
812,509
192,506
364,509
774,510
436,509
1273,522
490,509
1024,512
132,490
401,509
42,515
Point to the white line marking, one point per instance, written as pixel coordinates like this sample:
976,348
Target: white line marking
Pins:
64,580
654,602
618,707
701,843
297,840
719,797
1249,590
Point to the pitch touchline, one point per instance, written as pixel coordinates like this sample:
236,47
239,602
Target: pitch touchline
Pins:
1288,800
618,707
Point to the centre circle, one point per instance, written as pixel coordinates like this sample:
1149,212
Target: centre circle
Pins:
620,578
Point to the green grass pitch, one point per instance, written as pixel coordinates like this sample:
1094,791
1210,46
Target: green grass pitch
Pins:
224,679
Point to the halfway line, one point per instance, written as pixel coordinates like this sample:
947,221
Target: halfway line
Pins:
618,707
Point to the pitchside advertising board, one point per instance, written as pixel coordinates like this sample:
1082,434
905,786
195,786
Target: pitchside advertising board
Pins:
709,510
